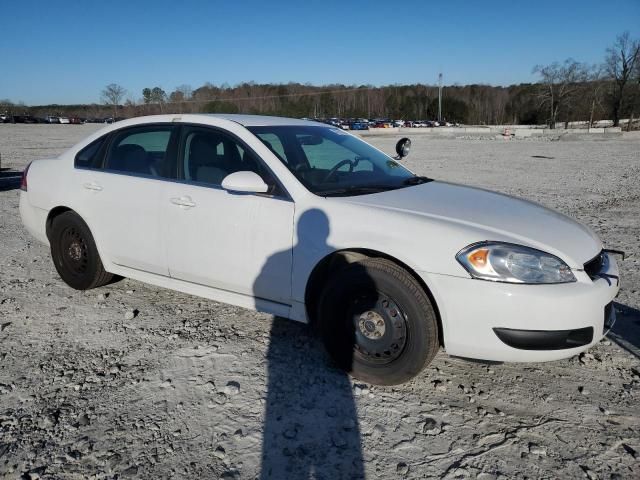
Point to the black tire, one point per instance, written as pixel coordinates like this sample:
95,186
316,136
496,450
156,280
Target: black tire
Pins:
353,305
74,253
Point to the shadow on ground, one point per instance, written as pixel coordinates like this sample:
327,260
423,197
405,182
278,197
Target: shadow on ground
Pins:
626,331
311,426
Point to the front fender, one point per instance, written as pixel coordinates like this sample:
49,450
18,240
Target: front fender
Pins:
427,246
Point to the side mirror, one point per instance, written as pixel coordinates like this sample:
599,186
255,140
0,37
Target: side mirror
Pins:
244,182
403,147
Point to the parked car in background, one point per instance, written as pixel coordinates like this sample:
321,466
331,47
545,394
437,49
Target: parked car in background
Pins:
306,221
24,119
383,124
359,125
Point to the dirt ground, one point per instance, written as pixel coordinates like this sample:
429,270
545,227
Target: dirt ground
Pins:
193,388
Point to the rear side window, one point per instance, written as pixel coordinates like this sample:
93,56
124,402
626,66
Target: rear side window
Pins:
142,151
89,156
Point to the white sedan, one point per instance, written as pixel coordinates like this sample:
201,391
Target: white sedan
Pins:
306,221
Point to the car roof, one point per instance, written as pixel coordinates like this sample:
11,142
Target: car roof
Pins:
261,120
244,120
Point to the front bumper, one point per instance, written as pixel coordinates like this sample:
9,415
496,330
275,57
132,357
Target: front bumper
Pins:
523,323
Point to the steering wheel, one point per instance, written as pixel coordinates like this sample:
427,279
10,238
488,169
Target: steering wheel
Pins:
335,168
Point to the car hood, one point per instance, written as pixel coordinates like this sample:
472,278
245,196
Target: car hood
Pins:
497,216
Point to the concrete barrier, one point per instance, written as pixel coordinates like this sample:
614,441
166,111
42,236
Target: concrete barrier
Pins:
477,130
517,131
528,132
379,131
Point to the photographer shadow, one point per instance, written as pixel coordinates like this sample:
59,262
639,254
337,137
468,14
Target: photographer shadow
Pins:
311,426
626,330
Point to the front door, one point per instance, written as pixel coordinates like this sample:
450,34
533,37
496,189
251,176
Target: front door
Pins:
238,243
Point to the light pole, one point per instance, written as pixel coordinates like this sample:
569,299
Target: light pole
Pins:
439,97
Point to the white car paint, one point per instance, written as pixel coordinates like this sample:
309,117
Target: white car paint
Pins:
258,251
244,182
229,253
124,238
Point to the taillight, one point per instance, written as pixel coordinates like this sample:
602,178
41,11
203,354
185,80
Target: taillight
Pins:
23,180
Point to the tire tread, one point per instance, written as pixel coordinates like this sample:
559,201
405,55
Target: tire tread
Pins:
100,276
421,355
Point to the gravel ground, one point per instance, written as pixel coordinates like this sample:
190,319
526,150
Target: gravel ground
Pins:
131,380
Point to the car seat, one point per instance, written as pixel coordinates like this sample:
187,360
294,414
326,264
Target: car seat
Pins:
204,163
131,158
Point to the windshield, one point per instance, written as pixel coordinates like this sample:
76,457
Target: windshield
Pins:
331,162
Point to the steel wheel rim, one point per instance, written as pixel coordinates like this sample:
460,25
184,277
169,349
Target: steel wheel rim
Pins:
380,328
74,251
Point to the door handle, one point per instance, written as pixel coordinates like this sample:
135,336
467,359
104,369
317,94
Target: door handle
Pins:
92,186
183,201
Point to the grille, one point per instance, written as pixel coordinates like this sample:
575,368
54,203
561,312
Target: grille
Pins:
594,266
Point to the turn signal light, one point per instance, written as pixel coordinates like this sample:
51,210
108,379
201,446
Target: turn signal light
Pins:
478,258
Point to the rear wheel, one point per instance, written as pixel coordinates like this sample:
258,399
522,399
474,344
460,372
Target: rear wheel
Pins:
74,253
377,322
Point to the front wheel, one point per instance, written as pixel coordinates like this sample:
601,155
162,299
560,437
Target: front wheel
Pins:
74,253
377,322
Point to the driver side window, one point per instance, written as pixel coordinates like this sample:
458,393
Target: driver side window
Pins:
208,158
209,155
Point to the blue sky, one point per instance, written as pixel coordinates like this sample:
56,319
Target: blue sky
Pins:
66,52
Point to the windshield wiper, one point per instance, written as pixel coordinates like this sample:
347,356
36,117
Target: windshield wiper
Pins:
356,190
417,180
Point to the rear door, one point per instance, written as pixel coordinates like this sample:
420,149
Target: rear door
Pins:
121,197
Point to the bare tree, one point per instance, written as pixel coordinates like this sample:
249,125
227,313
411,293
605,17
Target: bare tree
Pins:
5,105
113,95
179,97
621,63
559,83
130,107
593,90
635,100
185,90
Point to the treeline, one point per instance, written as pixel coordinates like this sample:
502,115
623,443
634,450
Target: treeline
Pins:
470,104
568,91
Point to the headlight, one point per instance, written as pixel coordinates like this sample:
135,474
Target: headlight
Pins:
506,262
